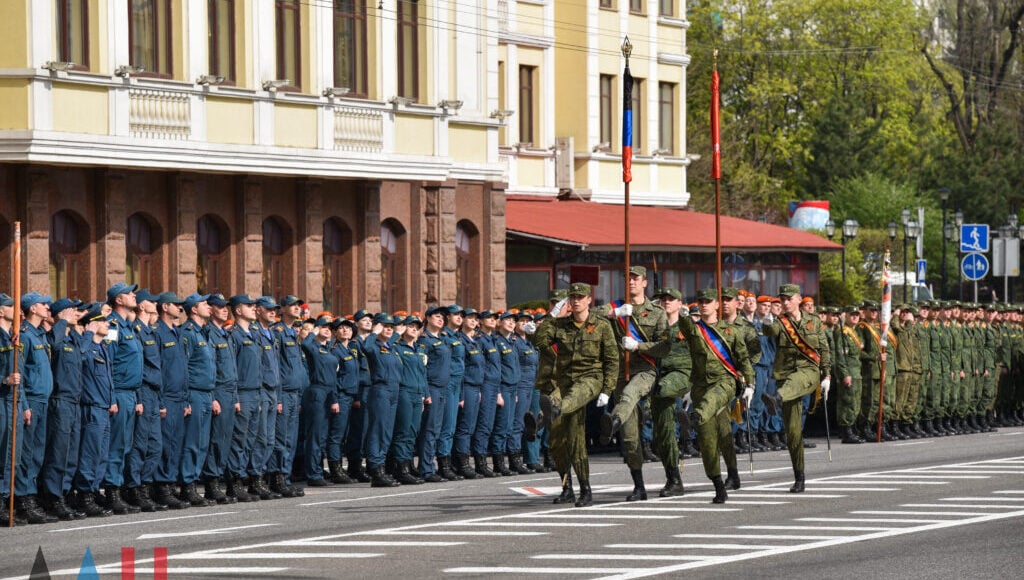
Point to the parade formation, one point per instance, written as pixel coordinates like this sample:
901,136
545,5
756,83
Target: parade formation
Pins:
149,402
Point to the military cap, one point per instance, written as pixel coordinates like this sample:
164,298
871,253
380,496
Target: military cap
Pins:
953,304
540,316
361,314
241,299
452,309
789,290
412,319
63,304
729,293
217,300
323,320
579,289
119,289
469,312
94,313
486,314
341,320
443,310
267,302
169,298
707,294
144,295
291,300
638,271
32,298
194,299
852,309
671,292
558,294
511,313
525,314
991,307
869,305
384,318
6,300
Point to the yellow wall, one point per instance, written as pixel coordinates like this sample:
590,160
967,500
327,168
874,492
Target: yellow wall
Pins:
580,169
531,171
98,42
14,104
179,39
414,135
610,175
80,109
670,39
14,24
229,121
571,74
670,179
530,18
467,143
295,126
243,44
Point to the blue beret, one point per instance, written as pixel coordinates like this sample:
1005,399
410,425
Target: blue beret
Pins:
32,298
538,317
119,289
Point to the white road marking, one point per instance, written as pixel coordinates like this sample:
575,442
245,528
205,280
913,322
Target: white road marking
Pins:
958,505
1013,491
479,570
447,533
907,513
663,509
213,532
872,520
140,522
366,544
614,557
691,546
848,481
530,524
913,443
173,572
916,475
817,488
256,556
822,528
589,514
731,501
374,497
744,494
758,536
1008,499
992,471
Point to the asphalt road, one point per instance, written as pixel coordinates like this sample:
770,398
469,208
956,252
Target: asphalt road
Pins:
951,506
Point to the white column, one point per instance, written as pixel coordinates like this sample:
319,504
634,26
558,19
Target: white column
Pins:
387,57
437,53
198,58
41,50
264,68
325,71
118,51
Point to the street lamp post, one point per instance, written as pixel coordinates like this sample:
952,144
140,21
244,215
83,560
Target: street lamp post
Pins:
909,234
949,234
1007,232
850,228
958,219
944,196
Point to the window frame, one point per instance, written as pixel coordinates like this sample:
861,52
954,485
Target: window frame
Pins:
64,36
527,99
214,34
167,44
280,8
408,26
638,116
637,7
359,59
606,111
670,125
667,8
208,261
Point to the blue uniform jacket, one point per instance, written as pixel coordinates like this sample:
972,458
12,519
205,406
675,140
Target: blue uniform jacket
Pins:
248,352
383,362
509,358
349,363
415,375
174,364
439,359
97,377
67,362
294,370
36,373
476,361
152,375
458,346
529,360
125,354
224,357
323,365
270,361
200,357
492,370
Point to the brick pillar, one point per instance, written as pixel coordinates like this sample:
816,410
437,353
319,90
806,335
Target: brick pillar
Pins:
428,266
182,252
448,261
111,222
35,233
438,232
493,244
310,245
250,251
369,255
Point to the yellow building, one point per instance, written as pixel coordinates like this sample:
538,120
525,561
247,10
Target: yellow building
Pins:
346,151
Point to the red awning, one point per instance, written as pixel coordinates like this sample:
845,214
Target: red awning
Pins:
599,227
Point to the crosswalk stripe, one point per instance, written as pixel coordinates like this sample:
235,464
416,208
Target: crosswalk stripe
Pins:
526,570
759,536
872,520
822,528
908,513
615,557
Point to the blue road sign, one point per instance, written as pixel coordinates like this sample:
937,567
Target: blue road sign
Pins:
739,271
974,238
974,266
922,268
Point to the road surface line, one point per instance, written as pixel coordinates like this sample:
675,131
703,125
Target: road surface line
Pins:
992,471
758,536
691,546
918,475
872,520
822,528
216,531
661,557
744,494
731,501
1013,491
448,533
890,482
1007,499
256,556
959,505
529,524
480,570
374,497
173,572
913,443
903,513
663,509
367,544
595,515
140,522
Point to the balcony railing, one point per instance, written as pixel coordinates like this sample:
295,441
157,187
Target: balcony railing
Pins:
156,114
358,129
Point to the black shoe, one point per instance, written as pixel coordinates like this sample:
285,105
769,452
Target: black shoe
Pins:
377,478
887,435
551,409
870,434
480,461
27,509
447,471
278,484
639,491
165,496
849,437
733,480
673,483
191,495
567,496
85,502
990,421
258,485
537,467
515,463
529,426
610,425
116,504
798,485
586,498
499,465
720,493
338,475
755,443
465,469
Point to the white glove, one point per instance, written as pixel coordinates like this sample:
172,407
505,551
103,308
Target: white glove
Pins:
602,400
825,384
687,401
748,395
529,327
622,311
629,343
769,318
556,310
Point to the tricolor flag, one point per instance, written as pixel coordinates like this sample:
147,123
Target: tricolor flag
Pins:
627,126
886,315
716,141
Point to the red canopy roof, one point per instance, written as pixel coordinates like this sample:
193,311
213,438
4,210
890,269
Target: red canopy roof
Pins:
600,227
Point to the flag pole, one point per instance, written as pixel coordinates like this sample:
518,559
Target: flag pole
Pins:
627,162
716,175
15,342
884,317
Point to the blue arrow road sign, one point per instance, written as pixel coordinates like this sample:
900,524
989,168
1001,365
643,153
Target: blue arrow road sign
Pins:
974,238
922,267
974,266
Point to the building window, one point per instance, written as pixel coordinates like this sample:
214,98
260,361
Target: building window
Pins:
607,102
149,36
350,46
666,8
392,253
69,260
466,253
337,265
636,6
221,30
526,101
606,4
289,50
638,115
276,241
667,118
408,49
142,245
212,242
73,32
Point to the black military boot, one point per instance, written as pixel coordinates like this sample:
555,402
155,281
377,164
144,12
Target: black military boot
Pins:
908,429
85,502
214,493
673,483
762,441
338,475
537,467
639,491
868,434
116,504
444,467
480,463
357,472
849,437
26,508
610,425
733,479
886,435
499,465
549,462
649,455
190,494
551,409
237,490
515,463
586,497
567,496
54,505
685,448
720,493
407,468
467,471
798,485
135,496
377,478
990,420
897,430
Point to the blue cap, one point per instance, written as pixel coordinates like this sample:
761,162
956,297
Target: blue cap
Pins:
267,302
508,314
538,317
241,299
95,313
63,304
485,314
341,320
119,289
384,318
168,298
470,312
6,300
454,309
145,295
194,299
360,314
32,298
412,319
443,310
525,314
217,300
323,321
291,300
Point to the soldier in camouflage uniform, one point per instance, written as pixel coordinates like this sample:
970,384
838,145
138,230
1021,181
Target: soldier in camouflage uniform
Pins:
719,361
987,387
925,336
586,364
673,383
801,364
908,368
871,358
749,336
847,365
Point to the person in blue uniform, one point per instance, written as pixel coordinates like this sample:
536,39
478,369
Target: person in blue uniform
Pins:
266,420
438,350
504,338
355,443
145,454
98,405
173,399
349,374
319,401
64,421
37,375
469,399
528,360
453,394
9,380
246,347
489,392
294,380
412,395
222,424
385,373
201,405
126,354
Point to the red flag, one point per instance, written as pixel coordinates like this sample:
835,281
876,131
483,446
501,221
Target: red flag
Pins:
716,141
627,125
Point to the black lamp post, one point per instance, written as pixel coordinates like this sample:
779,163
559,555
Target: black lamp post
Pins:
850,228
944,196
958,219
950,233
909,234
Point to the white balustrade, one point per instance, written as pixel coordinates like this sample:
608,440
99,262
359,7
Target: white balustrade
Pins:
358,129
156,114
